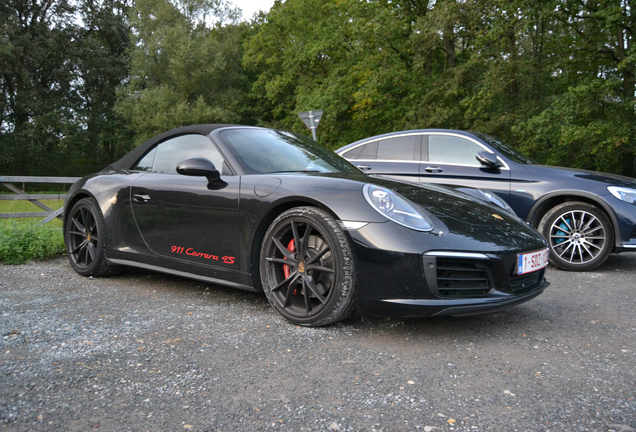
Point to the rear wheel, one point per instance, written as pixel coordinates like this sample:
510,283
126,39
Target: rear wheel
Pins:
580,236
307,268
85,237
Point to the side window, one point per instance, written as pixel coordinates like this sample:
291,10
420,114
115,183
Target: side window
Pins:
165,157
399,148
146,162
365,151
452,150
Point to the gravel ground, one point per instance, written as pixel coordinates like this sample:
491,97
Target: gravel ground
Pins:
144,351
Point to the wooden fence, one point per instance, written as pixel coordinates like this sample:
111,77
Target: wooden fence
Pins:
49,214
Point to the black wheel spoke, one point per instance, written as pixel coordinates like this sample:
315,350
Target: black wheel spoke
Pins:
317,256
294,228
91,252
287,281
306,298
83,255
289,295
78,248
314,289
321,268
78,225
304,246
283,261
282,249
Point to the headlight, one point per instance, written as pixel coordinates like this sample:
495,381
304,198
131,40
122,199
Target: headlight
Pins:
623,193
493,198
396,208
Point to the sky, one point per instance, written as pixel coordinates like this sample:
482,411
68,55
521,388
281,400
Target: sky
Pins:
249,7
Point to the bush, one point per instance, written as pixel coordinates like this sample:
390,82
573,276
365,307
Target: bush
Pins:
23,242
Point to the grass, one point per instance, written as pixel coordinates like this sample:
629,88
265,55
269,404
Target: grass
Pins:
22,240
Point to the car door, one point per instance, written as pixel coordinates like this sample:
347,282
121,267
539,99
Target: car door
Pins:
179,216
451,159
397,157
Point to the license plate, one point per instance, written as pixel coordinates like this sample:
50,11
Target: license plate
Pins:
532,261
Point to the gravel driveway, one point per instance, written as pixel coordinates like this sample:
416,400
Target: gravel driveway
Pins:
144,351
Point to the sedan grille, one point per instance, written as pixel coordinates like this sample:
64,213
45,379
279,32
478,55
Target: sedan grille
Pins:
462,279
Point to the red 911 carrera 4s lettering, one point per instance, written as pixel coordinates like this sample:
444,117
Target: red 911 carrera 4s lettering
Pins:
191,252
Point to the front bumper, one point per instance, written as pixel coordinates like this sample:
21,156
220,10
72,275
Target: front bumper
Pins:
408,284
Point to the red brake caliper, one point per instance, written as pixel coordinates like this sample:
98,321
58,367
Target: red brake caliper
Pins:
286,270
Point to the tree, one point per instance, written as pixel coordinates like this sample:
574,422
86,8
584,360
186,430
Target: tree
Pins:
60,63
102,63
555,78
350,58
35,84
184,69
592,121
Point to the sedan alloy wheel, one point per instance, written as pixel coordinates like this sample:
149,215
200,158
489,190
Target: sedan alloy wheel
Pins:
579,234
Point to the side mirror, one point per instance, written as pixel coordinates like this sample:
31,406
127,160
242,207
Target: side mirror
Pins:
201,167
488,160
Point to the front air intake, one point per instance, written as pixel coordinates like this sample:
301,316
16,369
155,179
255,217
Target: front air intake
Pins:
462,279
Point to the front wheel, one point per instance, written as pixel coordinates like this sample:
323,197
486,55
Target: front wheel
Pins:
85,238
580,236
307,268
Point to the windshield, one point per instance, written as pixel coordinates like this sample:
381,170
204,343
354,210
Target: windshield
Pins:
505,149
262,151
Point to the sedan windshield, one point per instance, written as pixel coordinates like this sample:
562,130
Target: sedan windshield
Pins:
262,151
506,149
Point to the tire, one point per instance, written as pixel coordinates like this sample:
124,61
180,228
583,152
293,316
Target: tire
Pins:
307,268
85,238
580,236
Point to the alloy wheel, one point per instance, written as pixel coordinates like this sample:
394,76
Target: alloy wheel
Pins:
301,268
577,237
83,237
307,268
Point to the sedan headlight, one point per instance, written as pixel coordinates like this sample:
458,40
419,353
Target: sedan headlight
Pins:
395,207
623,193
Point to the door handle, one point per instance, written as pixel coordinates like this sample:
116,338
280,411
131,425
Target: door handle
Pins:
141,198
364,167
433,169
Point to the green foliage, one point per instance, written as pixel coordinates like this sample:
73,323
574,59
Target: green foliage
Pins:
183,71
555,78
562,133
58,83
23,242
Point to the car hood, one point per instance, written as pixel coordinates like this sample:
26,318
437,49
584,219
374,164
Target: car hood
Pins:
470,218
451,206
561,172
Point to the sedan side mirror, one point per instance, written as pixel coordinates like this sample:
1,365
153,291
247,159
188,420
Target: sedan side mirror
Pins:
488,160
201,167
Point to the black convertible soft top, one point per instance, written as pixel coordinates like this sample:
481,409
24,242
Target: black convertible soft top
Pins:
133,156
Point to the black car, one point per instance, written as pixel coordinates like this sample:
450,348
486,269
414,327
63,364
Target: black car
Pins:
266,210
584,215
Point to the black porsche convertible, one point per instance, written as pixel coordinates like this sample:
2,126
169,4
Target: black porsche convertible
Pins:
267,210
